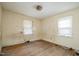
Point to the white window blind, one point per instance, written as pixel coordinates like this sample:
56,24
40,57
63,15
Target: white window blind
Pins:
65,26
27,24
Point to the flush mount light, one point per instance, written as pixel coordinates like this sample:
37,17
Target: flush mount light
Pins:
39,7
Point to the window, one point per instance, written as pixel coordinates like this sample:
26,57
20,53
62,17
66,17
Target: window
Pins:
27,24
65,26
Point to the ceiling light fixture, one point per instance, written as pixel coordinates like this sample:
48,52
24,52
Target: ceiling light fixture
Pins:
39,7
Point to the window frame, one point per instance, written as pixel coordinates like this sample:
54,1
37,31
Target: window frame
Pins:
65,35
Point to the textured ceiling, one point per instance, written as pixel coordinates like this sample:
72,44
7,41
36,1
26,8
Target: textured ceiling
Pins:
48,8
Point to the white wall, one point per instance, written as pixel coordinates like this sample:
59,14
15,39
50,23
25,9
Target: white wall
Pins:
50,29
0,27
12,24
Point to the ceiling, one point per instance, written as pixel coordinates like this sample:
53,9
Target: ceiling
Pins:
48,8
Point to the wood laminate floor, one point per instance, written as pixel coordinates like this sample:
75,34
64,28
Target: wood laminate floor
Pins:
36,48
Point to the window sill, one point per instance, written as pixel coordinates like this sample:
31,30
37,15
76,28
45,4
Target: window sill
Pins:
65,36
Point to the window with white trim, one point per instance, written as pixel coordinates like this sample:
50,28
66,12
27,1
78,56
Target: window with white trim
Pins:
65,26
27,24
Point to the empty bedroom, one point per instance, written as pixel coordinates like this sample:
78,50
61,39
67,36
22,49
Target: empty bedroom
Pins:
39,28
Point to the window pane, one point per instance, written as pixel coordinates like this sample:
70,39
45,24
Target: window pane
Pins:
65,22
27,31
27,27
65,32
27,23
